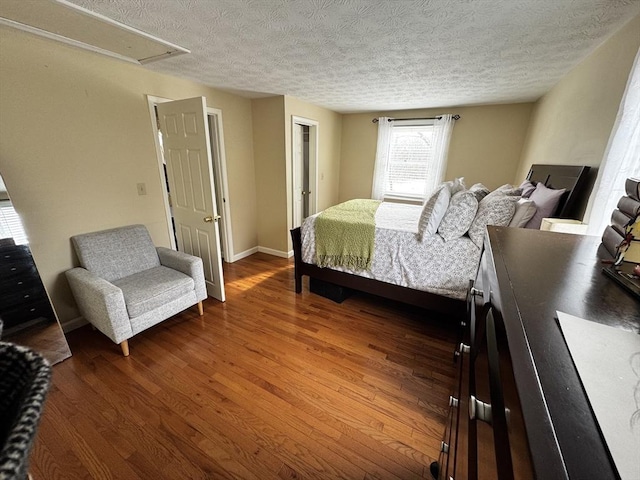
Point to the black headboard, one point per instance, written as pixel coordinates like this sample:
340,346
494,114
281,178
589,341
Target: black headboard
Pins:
574,179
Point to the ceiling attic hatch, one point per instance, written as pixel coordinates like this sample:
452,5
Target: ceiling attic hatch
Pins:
68,23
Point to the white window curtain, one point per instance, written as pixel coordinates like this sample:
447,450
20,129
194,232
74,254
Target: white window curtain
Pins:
442,128
622,156
382,158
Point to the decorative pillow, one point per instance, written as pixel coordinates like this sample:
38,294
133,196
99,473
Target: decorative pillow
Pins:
433,211
479,190
492,210
525,209
527,188
510,190
461,212
456,185
506,189
546,200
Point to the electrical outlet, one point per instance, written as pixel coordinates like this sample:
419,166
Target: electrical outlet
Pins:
142,189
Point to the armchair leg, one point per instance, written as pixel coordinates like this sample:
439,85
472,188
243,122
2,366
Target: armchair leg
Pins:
125,348
200,309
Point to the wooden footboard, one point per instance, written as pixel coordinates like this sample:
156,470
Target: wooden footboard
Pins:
410,296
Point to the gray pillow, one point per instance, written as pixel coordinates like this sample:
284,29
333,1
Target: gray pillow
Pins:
492,210
479,190
525,209
506,189
433,212
527,188
546,200
461,212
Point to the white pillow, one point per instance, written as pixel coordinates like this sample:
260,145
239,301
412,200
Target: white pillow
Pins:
525,210
456,185
433,212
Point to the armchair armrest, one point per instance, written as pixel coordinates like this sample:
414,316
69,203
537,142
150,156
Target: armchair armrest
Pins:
101,303
188,264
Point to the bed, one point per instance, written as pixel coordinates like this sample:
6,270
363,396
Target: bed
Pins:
454,262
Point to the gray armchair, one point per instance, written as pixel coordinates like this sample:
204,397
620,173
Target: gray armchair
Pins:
126,285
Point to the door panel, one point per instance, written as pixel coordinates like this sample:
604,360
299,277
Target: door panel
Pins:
188,157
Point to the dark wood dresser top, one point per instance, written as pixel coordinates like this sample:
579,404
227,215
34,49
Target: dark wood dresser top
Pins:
538,273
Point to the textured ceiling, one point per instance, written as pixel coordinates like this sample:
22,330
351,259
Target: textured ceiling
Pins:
367,55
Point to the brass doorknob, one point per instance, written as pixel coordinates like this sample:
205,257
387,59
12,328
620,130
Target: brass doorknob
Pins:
208,219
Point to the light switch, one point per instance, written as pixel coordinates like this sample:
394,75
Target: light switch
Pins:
142,189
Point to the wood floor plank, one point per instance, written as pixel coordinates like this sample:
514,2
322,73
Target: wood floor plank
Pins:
270,384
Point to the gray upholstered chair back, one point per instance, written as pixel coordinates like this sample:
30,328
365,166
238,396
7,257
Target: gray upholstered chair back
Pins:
116,253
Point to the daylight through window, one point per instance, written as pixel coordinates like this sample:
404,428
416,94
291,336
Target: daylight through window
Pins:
410,156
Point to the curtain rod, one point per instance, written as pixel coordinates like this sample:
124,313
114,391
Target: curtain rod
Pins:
455,117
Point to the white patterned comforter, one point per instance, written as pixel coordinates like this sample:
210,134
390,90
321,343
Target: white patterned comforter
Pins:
433,265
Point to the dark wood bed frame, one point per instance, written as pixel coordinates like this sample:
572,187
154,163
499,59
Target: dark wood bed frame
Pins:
571,178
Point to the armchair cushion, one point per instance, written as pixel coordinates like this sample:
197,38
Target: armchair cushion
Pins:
147,290
116,253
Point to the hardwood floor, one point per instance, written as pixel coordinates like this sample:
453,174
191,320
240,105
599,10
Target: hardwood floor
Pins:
269,384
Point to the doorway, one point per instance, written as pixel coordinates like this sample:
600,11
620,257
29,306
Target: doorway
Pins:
304,136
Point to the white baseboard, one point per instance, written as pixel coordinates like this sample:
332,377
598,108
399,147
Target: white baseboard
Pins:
74,323
268,251
246,253
275,253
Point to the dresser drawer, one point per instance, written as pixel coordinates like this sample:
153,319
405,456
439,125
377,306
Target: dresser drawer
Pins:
14,269
26,312
26,293
15,283
14,252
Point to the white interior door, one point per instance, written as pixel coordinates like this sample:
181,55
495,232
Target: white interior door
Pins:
187,151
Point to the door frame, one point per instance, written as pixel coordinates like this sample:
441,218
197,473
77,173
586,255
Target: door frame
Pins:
313,162
218,157
220,166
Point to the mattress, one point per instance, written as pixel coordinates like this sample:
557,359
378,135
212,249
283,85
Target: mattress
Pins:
432,265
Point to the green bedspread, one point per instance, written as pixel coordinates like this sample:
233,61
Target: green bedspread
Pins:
345,235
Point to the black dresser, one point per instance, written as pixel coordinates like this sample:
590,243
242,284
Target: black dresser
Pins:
23,299
518,409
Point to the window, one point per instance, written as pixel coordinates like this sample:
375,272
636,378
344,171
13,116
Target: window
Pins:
411,157
10,224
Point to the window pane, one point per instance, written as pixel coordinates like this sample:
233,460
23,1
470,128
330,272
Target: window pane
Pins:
10,224
410,156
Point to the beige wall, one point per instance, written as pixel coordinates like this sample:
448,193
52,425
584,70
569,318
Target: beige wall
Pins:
77,138
270,167
486,144
272,117
572,123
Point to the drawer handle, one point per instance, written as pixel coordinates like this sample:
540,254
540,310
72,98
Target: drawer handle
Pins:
462,348
453,401
479,410
482,411
27,296
13,269
475,291
32,309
